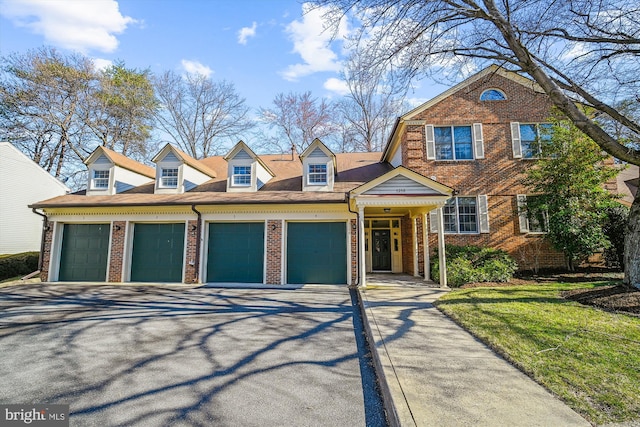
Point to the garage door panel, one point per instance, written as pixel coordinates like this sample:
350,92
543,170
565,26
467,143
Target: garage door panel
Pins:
158,252
236,252
316,253
84,252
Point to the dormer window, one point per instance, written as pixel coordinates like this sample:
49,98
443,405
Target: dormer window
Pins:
100,180
169,178
317,174
242,176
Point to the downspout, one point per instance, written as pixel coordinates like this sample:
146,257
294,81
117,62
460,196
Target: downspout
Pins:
196,264
45,227
357,239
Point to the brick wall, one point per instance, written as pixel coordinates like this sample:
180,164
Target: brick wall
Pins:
498,175
116,257
46,253
354,251
190,272
406,227
274,251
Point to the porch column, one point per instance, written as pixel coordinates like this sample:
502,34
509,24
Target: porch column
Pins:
362,267
425,248
416,268
441,254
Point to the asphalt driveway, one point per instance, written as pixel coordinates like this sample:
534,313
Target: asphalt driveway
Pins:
148,355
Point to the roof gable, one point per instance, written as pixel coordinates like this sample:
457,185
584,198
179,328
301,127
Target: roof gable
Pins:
9,152
242,151
119,160
402,181
316,149
184,158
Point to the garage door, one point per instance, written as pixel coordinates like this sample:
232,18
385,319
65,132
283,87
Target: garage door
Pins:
157,253
236,252
316,253
85,248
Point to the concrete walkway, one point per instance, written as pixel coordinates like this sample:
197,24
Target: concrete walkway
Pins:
437,374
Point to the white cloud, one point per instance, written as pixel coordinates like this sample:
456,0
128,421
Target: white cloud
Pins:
246,32
101,64
78,25
337,86
312,43
195,67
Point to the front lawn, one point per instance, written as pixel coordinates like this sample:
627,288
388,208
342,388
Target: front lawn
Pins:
588,357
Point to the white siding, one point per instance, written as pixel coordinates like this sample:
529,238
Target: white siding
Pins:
22,182
126,179
192,177
401,185
397,158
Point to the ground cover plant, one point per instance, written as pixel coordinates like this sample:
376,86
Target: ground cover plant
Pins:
587,356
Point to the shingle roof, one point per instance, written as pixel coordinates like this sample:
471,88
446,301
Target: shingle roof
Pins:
286,187
129,164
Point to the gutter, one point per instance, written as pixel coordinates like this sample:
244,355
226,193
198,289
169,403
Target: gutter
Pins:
196,265
45,228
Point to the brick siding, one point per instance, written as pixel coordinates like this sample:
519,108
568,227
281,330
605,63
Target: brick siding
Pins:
274,251
46,253
116,257
190,272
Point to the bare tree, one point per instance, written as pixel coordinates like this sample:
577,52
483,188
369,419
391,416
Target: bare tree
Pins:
581,53
298,119
42,93
201,116
369,110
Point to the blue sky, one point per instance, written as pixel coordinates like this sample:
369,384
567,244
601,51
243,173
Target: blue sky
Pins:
264,47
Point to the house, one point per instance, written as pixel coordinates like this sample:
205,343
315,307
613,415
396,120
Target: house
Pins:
23,182
450,171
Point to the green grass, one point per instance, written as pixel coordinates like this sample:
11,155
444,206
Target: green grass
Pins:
588,357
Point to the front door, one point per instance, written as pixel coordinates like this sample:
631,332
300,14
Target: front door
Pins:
381,255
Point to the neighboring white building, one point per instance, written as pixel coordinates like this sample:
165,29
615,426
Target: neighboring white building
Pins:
22,182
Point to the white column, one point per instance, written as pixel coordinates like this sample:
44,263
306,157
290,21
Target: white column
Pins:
362,254
441,254
416,268
425,248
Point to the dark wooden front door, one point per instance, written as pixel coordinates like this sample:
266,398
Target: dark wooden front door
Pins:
381,250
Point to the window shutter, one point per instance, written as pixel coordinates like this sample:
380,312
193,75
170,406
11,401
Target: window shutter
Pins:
433,221
478,143
483,210
515,140
431,142
522,213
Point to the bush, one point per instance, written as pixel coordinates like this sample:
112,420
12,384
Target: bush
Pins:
469,264
18,264
614,226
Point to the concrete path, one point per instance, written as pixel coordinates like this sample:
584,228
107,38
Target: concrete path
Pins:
440,375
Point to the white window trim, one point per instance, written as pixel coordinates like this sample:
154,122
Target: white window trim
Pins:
310,174
93,179
516,139
493,100
477,143
235,175
482,218
162,184
523,218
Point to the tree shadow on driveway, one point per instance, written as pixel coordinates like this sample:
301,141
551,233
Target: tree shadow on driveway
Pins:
146,355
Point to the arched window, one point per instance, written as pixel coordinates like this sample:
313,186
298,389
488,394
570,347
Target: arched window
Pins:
493,95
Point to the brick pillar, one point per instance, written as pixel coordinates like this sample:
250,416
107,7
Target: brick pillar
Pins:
419,236
46,253
117,251
354,251
193,239
274,251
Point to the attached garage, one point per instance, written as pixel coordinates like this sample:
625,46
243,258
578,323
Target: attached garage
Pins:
236,252
158,252
85,248
316,252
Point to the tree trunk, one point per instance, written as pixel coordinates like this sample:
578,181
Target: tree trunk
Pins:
632,245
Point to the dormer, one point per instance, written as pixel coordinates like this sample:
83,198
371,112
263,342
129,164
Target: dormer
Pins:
112,173
245,170
177,172
318,167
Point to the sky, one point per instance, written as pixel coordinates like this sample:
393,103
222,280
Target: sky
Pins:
264,47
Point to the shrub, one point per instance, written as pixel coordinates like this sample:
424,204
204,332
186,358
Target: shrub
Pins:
18,264
614,226
468,264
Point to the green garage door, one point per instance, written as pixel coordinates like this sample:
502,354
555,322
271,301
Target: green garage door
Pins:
236,252
316,253
158,253
85,248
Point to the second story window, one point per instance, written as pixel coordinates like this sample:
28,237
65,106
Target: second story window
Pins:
317,174
453,143
100,180
242,176
532,137
169,178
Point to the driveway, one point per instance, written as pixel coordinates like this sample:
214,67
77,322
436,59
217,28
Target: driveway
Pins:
152,355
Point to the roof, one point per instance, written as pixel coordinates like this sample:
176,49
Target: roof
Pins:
628,181
186,159
122,161
286,186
